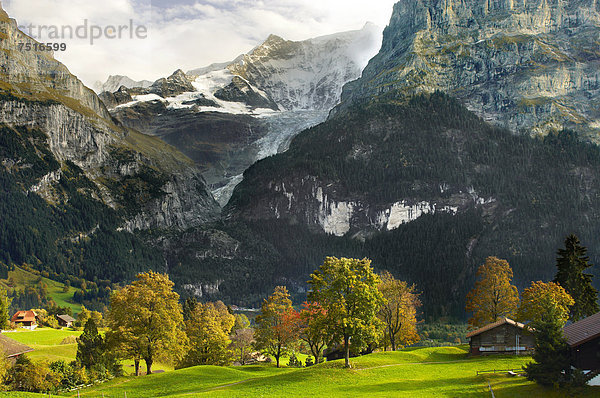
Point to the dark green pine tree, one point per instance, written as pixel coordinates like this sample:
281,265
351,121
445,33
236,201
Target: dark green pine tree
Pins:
189,305
571,263
4,309
90,346
551,355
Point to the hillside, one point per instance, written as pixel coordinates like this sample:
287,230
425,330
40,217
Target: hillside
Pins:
425,372
227,116
530,66
74,182
21,279
48,344
427,190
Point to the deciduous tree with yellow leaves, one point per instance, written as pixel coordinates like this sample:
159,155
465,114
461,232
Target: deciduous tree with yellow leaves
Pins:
276,330
399,311
208,329
145,320
493,296
540,298
346,289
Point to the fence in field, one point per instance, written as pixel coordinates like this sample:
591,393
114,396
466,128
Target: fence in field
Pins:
497,371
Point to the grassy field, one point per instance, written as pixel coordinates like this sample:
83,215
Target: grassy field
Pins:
47,343
21,279
415,372
420,372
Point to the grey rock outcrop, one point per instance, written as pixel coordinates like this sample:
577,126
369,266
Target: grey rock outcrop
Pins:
240,90
307,74
529,65
37,75
39,92
119,97
173,85
115,82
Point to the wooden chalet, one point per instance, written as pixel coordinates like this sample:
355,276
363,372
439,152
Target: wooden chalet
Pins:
12,348
25,319
65,321
583,338
502,337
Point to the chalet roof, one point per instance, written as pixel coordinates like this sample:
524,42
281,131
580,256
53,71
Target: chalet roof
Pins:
66,318
490,326
583,331
12,347
24,316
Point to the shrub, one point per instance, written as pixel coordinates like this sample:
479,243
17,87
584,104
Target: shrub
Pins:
32,376
309,361
294,362
69,340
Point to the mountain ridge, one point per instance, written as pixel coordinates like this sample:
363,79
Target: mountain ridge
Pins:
80,177
226,116
528,65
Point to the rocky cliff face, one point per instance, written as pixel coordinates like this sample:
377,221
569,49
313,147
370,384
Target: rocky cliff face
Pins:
37,75
227,116
307,74
529,65
425,189
39,92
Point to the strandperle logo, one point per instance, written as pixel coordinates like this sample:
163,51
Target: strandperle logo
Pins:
86,31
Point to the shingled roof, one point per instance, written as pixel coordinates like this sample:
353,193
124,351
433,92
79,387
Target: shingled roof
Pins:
66,318
495,324
583,331
12,348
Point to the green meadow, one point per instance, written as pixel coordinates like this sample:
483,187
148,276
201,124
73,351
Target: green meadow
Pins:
417,372
48,344
20,279
52,345
412,372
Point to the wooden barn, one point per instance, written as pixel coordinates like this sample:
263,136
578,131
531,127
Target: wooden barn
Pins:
502,337
65,321
583,338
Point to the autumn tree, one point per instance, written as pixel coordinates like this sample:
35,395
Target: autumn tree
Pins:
312,327
276,330
241,322
5,367
399,311
571,262
347,291
241,343
145,320
30,376
86,314
208,331
540,298
493,296
4,307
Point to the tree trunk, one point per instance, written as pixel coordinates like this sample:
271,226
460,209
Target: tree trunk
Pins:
315,351
347,349
136,363
148,366
278,355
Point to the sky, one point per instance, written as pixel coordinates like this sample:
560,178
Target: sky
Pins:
148,39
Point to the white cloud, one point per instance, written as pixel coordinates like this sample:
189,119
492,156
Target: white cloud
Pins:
185,33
